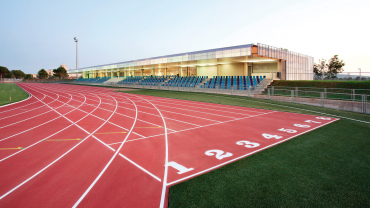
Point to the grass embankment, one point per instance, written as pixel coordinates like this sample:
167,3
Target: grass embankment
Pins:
10,89
328,167
323,84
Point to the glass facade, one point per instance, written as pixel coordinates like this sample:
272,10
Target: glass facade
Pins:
235,51
298,66
288,64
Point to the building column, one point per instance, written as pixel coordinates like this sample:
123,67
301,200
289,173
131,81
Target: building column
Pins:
153,72
179,71
165,72
142,72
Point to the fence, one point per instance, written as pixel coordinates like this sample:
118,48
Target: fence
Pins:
356,100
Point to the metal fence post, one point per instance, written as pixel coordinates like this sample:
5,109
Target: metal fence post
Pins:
249,91
322,99
325,90
292,95
364,103
296,91
273,89
268,94
353,94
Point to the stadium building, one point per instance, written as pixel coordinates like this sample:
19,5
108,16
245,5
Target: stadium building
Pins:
244,60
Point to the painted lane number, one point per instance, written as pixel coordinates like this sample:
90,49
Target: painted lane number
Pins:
219,154
269,136
179,167
323,118
310,121
248,144
287,130
302,126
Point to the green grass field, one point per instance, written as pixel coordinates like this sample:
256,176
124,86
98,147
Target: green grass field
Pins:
10,89
328,167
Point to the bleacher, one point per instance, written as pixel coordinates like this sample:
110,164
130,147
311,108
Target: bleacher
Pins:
130,80
155,80
233,82
185,81
92,80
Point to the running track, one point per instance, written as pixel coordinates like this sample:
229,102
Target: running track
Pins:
70,146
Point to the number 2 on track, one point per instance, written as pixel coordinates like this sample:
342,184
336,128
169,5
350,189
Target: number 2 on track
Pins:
219,154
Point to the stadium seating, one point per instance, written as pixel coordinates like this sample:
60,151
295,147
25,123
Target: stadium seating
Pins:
192,81
233,82
92,80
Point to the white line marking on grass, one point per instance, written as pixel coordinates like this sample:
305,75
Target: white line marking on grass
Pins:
29,97
110,161
240,157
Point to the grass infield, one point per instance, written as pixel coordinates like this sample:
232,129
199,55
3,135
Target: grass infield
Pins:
328,167
10,89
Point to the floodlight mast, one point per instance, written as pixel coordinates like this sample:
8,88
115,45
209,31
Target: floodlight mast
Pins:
76,40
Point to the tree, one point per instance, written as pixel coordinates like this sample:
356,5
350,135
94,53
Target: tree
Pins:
320,68
28,76
42,74
18,73
60,72
4,71
330,69
334,66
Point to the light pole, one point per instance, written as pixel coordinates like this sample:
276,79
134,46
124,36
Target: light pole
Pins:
360,72
76,55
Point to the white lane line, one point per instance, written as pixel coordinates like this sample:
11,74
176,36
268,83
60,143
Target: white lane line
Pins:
100,118
110,161
97,107
199,103
29,110
130,116
7,193
131,140
190,106
48,136
166,117
240,157
202,112
164,186
35,116
22,105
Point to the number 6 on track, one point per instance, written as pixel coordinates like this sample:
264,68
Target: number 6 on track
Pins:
218,154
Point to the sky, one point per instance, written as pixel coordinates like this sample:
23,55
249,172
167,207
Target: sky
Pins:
39,34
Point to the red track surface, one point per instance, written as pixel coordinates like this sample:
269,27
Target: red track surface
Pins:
92,147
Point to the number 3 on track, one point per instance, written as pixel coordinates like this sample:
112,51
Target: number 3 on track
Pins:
248,144
219,154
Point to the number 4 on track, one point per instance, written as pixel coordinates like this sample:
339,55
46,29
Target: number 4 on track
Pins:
179,167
